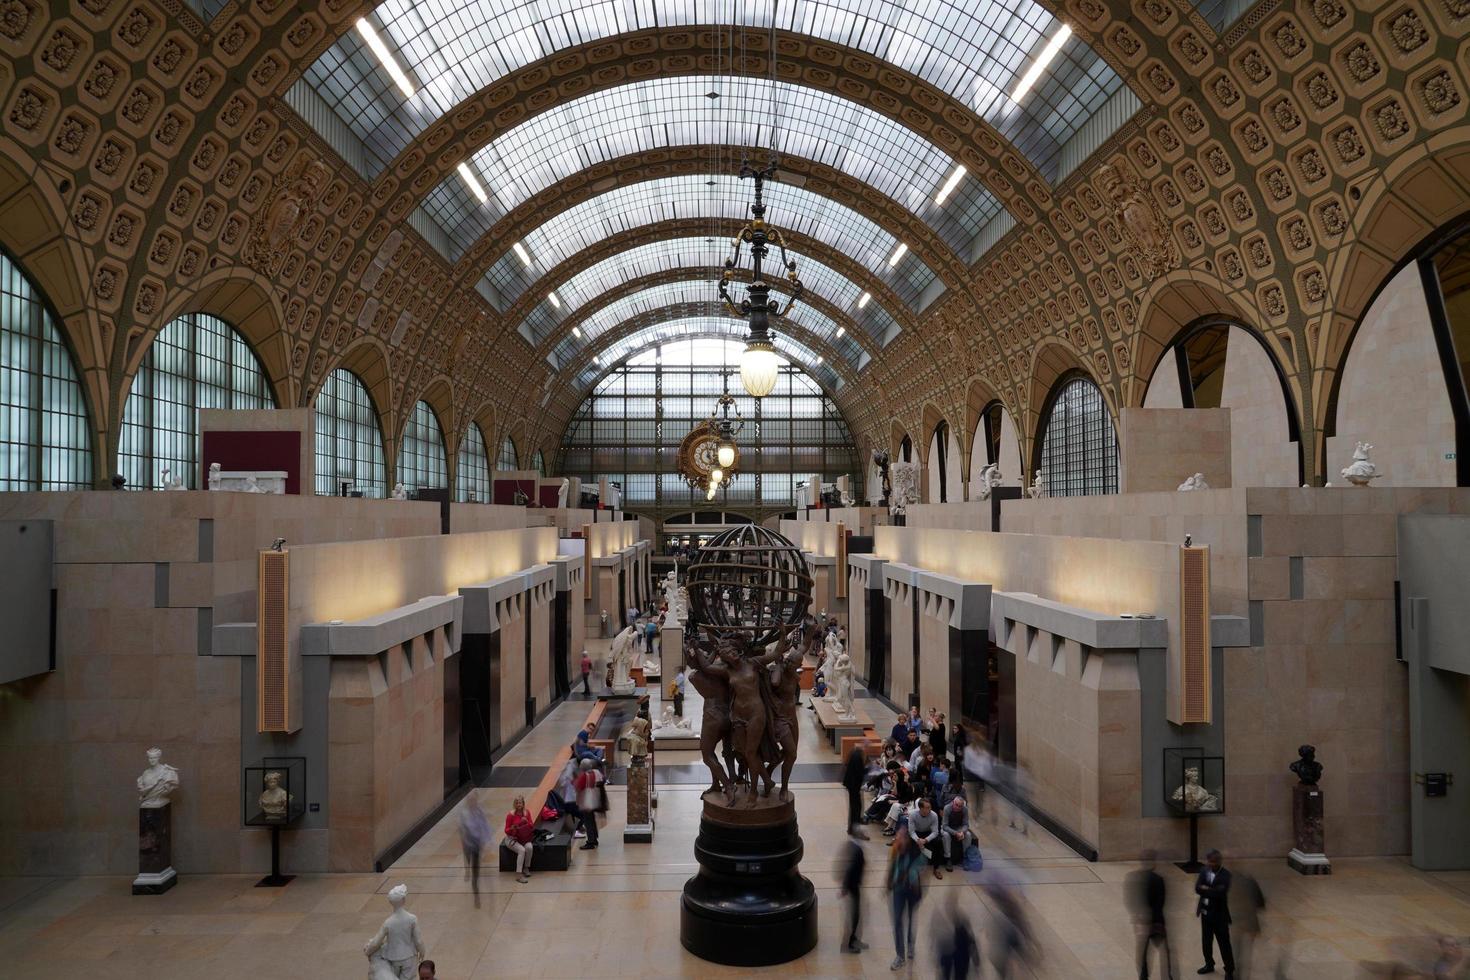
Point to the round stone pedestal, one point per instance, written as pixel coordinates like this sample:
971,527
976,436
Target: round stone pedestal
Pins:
749,904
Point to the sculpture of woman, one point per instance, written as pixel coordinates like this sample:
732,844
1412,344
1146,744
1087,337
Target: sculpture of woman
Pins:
842,684
623,651
274,801
395,951
157,783
1194,796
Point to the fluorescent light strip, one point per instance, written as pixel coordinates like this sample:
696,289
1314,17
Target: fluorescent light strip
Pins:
865,298
840,332
521,254
951,184
898,253
472,183
385,58
1039,65
554,301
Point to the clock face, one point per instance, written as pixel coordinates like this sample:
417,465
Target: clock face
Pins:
699,455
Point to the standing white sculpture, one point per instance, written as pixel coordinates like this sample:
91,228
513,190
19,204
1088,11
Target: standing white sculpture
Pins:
624,649
841,684
674,597
214,477
394,953
400,492
561,494
990,478
157,783
1196,482
1361,471
905,480
1038,486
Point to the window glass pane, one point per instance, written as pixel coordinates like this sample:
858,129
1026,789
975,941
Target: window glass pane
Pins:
472,472
508,459
1079,452
45,435
349,442
421,459
196,361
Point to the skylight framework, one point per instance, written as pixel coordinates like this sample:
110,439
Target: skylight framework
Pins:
696,292
710,252
707,327
974,50
707,110
713,197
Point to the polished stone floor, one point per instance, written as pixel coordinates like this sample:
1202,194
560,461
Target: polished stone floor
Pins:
616,912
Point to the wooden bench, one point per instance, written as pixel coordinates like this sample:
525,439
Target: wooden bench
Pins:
868,741
556,853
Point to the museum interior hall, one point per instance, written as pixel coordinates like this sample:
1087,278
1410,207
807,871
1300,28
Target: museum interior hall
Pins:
940,488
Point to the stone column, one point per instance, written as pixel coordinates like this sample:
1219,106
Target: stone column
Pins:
1308,857
638,828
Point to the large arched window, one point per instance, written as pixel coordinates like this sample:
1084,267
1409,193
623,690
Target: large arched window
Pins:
349,443
994,441
472,471
945,485
1079,449
45,442
630,427
422,462
538,462
196,361
507,460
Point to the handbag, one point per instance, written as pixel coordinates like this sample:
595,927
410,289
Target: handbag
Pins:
550,814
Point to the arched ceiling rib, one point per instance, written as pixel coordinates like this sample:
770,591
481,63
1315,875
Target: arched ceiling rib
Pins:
974,52
614,245
564,234
586,331
711,112
690,258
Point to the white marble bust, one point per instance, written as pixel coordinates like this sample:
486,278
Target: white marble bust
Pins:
157,783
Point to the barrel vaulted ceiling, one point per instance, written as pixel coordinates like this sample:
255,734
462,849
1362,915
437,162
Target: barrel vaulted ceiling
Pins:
550,188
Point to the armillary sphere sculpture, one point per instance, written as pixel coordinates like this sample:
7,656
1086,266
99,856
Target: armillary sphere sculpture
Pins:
749,904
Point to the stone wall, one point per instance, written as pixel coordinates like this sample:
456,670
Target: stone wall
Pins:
1159,448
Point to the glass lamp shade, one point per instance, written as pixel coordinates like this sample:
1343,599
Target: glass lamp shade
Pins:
759,366
715,476
726,454
710,493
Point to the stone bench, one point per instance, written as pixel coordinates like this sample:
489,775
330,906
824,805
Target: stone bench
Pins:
556,853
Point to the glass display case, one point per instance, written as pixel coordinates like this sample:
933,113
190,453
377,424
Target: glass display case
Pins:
274,792
1194,781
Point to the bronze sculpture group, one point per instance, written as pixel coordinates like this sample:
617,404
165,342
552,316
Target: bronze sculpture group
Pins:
750,698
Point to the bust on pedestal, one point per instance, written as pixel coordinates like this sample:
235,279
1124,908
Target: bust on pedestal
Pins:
156,873
1308,857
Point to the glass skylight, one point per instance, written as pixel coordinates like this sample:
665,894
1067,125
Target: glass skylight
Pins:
703,253
663,112
696,294
724,196
700,326
975,50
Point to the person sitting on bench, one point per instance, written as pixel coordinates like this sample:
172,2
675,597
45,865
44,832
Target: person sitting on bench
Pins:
519,829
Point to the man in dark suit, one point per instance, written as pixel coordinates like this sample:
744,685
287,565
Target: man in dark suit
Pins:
1147,896
1213,888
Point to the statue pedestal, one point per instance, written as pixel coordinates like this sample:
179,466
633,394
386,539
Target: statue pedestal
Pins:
1308,856
626,689
749,904
638,828
156,873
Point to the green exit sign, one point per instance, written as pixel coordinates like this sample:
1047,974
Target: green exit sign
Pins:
1449,455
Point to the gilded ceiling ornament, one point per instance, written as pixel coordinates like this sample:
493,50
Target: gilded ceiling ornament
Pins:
290,202
1142,222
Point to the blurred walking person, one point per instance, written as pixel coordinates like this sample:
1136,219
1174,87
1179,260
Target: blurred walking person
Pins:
1213,911
474,834
852,781
854,862
586,673
905,888
1012,938
959,950
1249,902
1146,898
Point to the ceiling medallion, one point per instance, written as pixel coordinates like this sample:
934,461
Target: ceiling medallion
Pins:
759,365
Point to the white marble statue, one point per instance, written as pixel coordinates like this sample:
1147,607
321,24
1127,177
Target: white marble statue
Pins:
561,494
394,953
252,485
667,724
171,482
840,682
905,480
274,801
636,737
1196,482
1361,471
1194,796
157,783
400,492
673,597
214,478
990,478
1038,486
624,653
846,499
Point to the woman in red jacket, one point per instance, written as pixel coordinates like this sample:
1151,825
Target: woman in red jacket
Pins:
519,826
